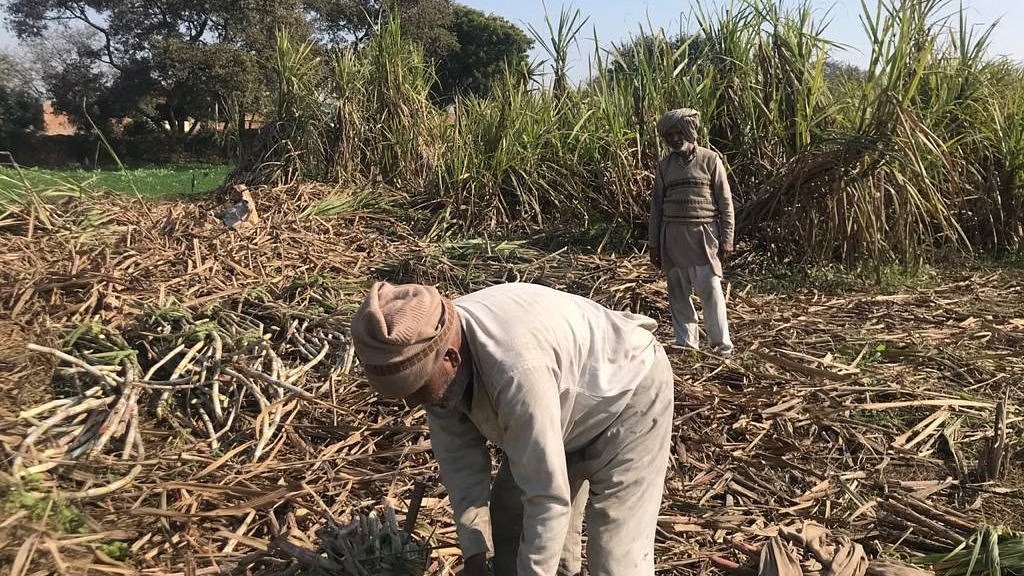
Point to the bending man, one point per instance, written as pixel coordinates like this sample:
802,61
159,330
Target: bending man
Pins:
570,391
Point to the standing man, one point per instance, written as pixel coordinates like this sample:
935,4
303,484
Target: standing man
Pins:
691,225
569,390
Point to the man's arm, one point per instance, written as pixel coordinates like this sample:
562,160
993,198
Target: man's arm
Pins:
530,414
723,200
465,463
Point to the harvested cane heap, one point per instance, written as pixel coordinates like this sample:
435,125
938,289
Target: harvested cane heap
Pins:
187,388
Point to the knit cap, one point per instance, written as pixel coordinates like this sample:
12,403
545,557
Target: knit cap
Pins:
400,332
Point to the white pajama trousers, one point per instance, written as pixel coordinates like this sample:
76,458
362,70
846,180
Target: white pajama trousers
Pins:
682,283
617,483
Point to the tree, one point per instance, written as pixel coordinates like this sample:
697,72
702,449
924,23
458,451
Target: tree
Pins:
21,112
837,71
354,22
487,47
160,60
469,48
650,48
80,91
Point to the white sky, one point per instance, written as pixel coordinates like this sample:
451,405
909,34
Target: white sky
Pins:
617,20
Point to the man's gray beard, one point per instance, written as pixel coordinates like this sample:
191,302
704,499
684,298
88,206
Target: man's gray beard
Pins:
452,394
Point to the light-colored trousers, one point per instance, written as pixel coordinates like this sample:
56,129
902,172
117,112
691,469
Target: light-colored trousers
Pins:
682,283
507,525
616,482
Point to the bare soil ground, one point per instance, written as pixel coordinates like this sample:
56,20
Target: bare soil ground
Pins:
207,415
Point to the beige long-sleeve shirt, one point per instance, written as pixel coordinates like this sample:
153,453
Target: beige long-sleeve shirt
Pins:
550,371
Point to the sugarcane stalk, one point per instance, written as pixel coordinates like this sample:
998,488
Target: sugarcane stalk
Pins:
140,448
101,376
167,357
133,431
184,363
109,426
130,410
83,443
218,352
31,412
210,430
104,490
415,501
69,436
39,468
297,373
267,428
64,412
350,357
924,523
271,380
931,509
234,410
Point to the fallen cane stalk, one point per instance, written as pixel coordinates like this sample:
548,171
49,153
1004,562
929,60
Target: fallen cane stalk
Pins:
102,376
277,366
103,490
130,411
296,374
268,420
74,432
165,397
350,356
91,429
214,444
109,427
35,433
262,422
234,411
133,430
271,380
28,414
140,448
152,370
218,352
40,468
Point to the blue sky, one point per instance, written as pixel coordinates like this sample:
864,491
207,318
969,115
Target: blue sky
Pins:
614,21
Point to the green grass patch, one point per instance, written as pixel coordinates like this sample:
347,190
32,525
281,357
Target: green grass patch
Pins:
22,496
115,550
152,183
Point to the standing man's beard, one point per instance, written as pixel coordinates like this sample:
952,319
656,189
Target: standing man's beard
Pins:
686,149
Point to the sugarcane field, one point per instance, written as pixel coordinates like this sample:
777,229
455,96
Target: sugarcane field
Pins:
819,266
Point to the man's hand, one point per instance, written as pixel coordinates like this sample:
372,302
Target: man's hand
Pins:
475,565
725,250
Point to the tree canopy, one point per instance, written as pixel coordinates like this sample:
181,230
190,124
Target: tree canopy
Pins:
486,47
425,22
21,112
161,60
164,62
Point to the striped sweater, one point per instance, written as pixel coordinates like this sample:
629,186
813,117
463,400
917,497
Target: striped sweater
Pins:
691,192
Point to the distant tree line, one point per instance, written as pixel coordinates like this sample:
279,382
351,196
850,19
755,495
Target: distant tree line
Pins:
171,67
